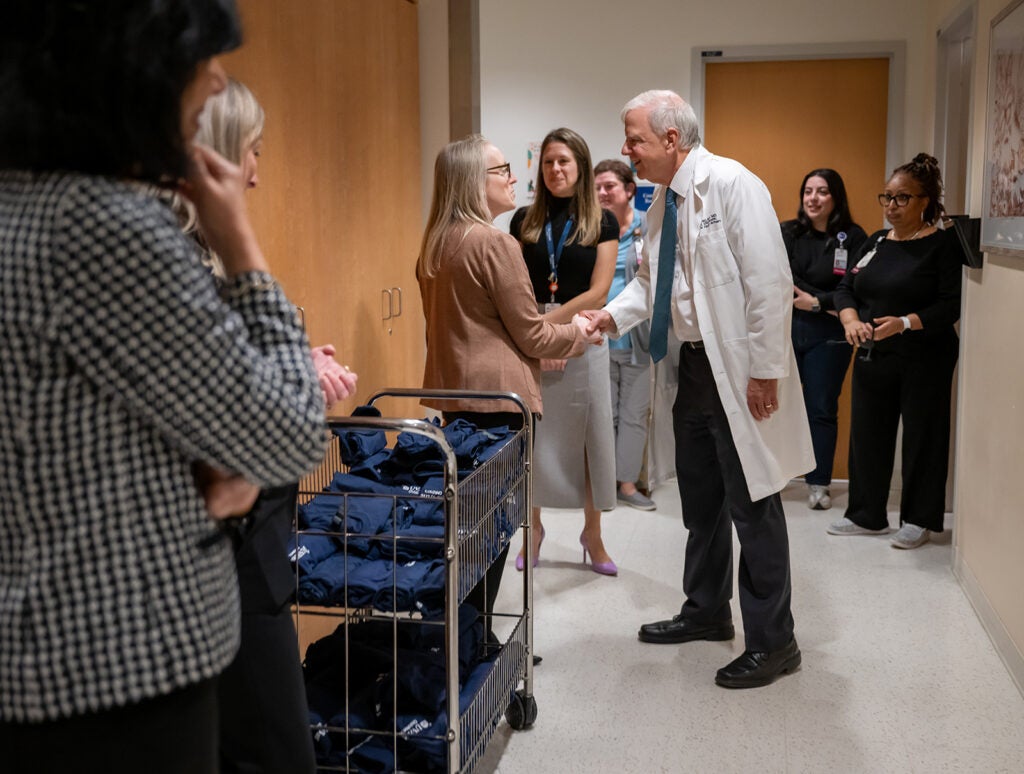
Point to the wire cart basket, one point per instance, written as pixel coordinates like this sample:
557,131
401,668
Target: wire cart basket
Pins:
410,635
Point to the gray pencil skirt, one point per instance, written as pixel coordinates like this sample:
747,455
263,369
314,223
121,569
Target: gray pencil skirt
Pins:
576,429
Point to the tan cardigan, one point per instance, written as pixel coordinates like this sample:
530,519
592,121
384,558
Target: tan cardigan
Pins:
483,328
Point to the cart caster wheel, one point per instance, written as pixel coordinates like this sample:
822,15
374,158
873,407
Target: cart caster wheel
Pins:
522,711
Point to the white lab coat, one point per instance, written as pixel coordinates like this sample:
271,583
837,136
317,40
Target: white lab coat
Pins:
743,298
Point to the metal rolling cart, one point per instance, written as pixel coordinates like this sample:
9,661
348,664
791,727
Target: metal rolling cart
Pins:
481,513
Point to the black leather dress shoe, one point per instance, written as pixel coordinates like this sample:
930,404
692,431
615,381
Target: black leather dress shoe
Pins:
756,668
679,629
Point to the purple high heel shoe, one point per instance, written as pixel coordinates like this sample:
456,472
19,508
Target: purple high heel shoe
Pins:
601,568
521,563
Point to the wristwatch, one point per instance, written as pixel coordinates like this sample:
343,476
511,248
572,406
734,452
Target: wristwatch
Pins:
816,306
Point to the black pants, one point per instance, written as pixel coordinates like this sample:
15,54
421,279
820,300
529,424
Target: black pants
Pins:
714,496
166,735
912,382
263,710
264,719
483,595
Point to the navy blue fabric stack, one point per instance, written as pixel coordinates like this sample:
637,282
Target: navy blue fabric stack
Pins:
388,689
375,536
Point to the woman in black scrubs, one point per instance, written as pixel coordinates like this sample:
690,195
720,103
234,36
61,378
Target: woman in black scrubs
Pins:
820,240
899,303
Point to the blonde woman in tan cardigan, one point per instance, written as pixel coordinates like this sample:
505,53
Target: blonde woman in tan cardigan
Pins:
483,328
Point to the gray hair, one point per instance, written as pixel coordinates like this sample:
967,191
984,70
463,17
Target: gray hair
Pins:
667,111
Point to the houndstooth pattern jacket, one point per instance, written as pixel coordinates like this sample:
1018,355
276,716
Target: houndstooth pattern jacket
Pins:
121,366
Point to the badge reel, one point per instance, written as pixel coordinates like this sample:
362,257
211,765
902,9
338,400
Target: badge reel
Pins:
840,259
553,287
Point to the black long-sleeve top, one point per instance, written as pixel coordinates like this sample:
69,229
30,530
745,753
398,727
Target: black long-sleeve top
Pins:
916,276
812,258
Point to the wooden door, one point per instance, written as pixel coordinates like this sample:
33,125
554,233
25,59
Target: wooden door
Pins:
783,119
338,207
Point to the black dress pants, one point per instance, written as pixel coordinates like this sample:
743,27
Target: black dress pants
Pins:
483,595
264,718
264,715
714,496
912,381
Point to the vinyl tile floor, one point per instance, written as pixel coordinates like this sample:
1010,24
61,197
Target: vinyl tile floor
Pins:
898,674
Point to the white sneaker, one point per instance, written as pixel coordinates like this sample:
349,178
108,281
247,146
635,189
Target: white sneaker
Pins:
846,527
910,536
818,497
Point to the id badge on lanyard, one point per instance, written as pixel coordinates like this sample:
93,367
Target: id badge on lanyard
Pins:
638,246
839,260
555,255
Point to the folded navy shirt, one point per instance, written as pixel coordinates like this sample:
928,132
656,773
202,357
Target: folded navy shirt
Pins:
358,445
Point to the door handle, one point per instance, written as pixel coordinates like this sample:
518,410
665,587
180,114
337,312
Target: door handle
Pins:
399,292
385,304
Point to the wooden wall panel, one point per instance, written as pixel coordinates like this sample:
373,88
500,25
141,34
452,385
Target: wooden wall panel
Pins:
338,207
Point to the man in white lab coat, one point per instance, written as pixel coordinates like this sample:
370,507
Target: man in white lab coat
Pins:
739,422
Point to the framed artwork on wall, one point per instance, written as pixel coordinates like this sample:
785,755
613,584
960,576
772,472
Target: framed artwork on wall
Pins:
1002,216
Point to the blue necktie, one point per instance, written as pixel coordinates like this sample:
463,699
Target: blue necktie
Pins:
666,271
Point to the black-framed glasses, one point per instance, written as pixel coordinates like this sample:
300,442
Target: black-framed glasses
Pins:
902,199
505,170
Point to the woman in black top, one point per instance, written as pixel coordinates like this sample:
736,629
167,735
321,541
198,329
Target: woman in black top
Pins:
819,242
570,245
899,303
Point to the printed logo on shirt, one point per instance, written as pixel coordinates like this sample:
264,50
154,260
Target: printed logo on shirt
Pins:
296,554
710,220
415,727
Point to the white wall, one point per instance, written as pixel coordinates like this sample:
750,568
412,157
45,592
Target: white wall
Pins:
576,62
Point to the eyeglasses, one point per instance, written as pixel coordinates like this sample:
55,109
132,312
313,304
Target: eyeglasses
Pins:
505,170
902,200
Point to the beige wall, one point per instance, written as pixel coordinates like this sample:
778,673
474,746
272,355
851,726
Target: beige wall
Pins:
576,62
989,539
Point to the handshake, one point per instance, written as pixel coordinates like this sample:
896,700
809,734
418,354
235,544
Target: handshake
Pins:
593,324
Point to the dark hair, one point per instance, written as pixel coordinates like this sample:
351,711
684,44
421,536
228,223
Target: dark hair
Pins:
925,171
95,86
621,170
839,219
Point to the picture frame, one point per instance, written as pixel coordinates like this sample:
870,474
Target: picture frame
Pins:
1002,211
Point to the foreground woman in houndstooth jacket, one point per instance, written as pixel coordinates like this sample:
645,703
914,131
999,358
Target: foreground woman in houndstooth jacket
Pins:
122,370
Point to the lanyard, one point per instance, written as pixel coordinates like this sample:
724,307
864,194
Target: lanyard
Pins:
555,254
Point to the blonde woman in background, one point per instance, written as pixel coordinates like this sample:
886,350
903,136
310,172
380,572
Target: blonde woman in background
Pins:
263,711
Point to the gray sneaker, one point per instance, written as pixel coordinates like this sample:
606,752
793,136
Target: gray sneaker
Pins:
846,527
636,500
910,536
818,497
